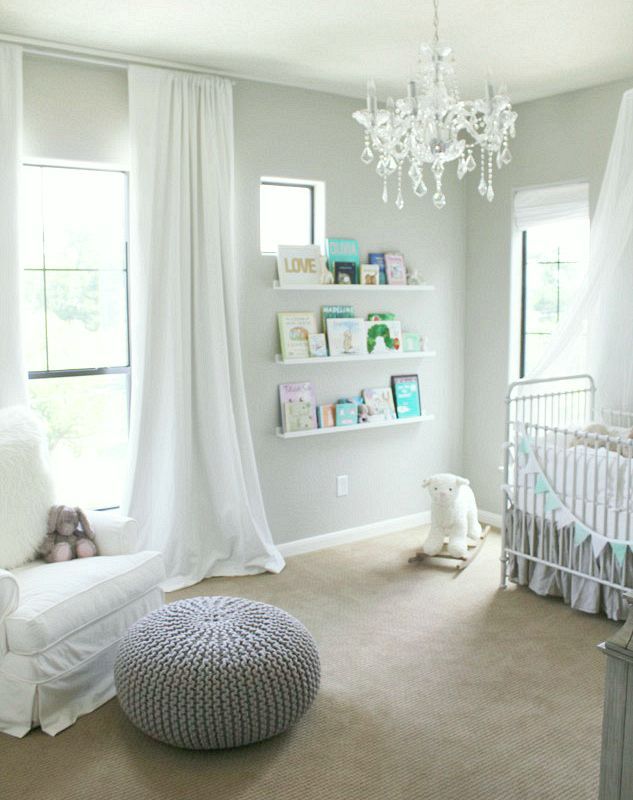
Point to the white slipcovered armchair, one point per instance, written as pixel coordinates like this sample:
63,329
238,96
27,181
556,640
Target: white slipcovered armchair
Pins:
60,624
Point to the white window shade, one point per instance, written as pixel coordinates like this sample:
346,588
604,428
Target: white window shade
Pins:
544,204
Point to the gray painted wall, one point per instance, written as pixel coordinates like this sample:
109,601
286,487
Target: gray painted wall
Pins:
303,134
80,112
561,138
300,134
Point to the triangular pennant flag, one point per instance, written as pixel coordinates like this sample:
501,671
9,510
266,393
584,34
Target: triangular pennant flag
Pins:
531,465
552,502
598,543
564,517
524,446
580,533
541,485
619,551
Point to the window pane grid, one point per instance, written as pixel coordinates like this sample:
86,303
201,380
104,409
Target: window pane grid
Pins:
554,265
75,265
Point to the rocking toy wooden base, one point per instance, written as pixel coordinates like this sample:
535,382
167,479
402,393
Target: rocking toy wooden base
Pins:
462,561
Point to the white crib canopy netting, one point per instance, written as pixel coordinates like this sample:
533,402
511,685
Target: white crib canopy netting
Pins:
596,333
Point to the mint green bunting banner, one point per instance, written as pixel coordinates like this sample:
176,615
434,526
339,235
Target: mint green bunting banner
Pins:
552,502
541,485
580,533
619,551
524,446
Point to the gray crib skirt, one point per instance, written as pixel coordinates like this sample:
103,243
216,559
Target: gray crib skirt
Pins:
543,539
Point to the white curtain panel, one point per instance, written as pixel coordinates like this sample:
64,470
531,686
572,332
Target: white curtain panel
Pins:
193,483
12,370
597,332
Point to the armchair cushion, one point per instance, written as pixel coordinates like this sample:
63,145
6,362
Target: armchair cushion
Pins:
9,598
56,600
9,594
26,487
114,535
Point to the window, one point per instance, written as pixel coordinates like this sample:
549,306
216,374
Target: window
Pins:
554,265
290,213
74,259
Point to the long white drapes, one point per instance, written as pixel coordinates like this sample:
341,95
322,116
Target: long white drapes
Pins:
598,331
193,482
12,369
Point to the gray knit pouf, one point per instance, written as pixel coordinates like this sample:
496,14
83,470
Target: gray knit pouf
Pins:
216,672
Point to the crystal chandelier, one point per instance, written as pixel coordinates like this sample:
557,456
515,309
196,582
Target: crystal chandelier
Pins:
432,126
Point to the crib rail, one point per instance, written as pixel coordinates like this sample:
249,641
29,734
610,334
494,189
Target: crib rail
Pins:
566,402
617,417
590,472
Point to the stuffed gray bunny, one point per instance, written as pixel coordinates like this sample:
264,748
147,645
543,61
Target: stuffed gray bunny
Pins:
69,535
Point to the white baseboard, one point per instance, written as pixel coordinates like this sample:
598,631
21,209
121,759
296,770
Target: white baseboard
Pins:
323,540
312,543
490,518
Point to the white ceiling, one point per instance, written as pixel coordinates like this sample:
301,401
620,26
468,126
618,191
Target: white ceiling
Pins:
537,47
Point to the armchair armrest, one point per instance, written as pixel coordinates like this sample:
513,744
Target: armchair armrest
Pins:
9,599
115,535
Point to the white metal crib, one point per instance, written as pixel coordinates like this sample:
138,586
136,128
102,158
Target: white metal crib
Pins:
590,479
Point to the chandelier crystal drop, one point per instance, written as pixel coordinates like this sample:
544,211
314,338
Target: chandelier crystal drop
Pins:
431,126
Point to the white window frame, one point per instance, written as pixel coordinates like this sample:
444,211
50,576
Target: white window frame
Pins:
317,222
124,369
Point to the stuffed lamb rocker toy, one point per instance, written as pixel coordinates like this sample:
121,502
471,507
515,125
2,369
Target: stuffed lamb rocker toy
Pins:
453,515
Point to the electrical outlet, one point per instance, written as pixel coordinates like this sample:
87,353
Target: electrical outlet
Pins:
342,485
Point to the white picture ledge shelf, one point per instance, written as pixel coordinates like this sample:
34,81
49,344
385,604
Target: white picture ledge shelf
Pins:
349,359
362,426
352,287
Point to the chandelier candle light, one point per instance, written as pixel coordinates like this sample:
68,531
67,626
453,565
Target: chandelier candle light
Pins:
433,126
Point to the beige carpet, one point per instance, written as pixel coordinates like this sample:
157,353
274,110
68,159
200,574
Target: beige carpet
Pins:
434,687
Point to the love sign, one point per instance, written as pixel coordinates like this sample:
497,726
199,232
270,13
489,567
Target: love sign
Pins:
298,264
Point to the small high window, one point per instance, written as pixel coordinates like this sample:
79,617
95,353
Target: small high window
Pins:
290,213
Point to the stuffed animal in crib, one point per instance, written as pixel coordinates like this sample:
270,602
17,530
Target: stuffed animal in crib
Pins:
453,514
69,535
598,435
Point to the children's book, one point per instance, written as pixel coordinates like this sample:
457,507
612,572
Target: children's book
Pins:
378,315
298,406
295,328
343,250
396,270
346,337
345,272
298,264
326,415
406,391
317,345
298,417
335,312
370,274
346,414
384,336
380,403
379,260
